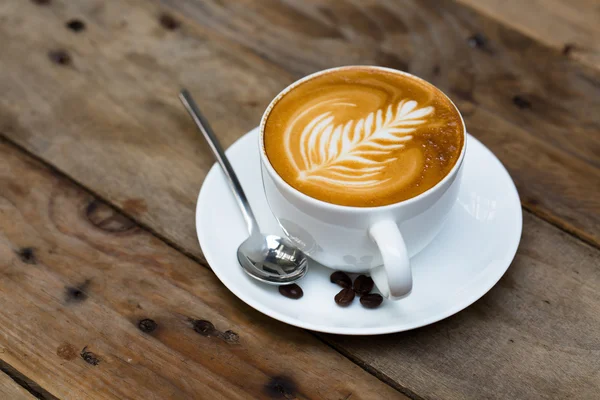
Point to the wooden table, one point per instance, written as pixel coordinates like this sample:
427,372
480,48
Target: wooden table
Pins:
100,168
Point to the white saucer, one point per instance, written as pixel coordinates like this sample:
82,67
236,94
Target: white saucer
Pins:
464,261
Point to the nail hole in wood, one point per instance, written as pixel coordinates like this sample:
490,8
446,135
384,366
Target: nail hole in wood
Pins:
477,41
76,25
230,337
521,102
281,387
41,2
27,255
77,294
89,357
204,327
147,325
568,48
168,22
60,57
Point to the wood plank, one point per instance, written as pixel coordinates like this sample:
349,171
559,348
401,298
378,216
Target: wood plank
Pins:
420,36
112,110
77,279
114,106
51,129
533,336
486,67
550,182
571,27
11,390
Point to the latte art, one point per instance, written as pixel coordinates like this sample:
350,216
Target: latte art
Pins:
354,153
362,136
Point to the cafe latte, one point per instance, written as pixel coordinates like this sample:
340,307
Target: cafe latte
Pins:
362,136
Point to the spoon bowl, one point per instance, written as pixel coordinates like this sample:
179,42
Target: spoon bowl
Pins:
272,259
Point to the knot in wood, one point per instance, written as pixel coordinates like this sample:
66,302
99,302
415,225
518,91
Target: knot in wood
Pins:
107,219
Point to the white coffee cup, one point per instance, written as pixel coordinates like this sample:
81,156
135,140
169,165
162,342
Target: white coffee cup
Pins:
376,240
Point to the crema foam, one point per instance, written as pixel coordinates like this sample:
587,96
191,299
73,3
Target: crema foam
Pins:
363,136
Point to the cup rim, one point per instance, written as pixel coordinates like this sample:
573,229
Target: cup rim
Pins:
271,170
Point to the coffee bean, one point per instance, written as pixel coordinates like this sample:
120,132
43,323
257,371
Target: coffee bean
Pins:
292,291
341,278
363,285
345,297
371,300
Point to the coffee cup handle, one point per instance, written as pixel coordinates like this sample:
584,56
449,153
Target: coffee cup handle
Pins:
394,277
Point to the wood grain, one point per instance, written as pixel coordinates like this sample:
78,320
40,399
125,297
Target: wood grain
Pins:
77,280
533,336
110,119
117,124
100,104
488,69
418,36
571,27
10,390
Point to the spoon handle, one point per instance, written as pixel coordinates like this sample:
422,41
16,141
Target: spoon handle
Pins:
215,146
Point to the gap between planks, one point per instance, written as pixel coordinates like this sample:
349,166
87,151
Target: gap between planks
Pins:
39,392
26,383
366,367
548,216
541,215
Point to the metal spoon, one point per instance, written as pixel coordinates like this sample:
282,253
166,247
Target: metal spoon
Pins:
268,258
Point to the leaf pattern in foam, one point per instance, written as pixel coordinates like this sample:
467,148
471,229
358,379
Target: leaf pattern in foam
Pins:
354,153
